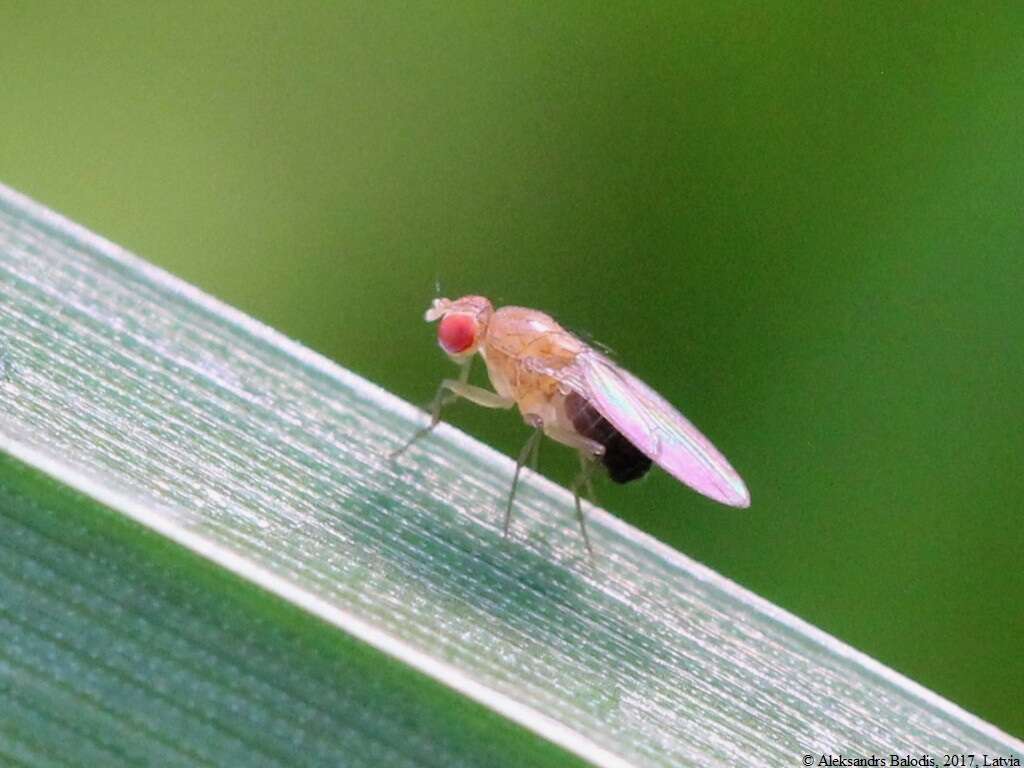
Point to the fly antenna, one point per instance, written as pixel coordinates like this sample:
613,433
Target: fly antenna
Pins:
437,308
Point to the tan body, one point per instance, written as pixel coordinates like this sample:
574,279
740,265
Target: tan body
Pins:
524,349
576,396
528,357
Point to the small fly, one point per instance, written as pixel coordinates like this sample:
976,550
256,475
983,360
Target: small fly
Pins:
575,395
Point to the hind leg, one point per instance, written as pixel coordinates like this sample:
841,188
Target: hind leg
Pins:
587,465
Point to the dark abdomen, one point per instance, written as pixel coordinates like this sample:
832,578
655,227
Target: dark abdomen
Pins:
623,460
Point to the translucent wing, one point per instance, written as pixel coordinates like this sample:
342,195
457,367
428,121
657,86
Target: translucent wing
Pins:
650,422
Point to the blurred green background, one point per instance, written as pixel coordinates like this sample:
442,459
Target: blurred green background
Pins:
801,222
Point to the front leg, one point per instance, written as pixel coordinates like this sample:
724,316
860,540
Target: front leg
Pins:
449,391
477,395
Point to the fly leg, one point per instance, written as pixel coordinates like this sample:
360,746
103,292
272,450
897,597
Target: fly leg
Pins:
524,455
441,399
448,392
586,446
586,470
535,456
589,451
583,479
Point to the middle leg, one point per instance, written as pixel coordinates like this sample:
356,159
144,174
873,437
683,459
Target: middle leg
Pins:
524,455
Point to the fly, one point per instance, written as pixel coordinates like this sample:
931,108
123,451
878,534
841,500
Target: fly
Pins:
575,395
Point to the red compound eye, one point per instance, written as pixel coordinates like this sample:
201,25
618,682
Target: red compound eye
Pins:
456,333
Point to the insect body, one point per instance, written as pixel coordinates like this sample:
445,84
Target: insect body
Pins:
575,395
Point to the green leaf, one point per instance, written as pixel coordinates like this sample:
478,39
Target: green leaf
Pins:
207,558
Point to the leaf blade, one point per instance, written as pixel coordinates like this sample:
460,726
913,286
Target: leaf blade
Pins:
258,454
